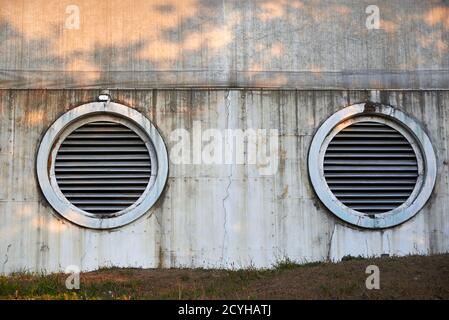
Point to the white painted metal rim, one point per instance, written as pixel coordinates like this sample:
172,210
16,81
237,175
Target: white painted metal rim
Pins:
44,165
388,219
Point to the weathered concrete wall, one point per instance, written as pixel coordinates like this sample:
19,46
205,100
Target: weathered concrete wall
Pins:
224,43
210,215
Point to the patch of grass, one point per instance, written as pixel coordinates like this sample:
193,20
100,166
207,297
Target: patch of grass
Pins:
231,283
286,264
325,290
348,289
31,285
287,280
351,258
185,277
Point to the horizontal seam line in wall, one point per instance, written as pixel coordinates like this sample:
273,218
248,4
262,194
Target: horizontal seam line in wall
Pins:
225,88
345,72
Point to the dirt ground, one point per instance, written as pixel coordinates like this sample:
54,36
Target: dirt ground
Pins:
413,277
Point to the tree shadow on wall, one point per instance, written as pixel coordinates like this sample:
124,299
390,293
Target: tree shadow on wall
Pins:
269,43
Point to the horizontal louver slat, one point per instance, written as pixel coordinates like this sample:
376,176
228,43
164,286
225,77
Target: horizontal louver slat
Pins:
102,136
372,162
373,135
104,142
112,149
103,167
373,188
100,181
102,129
105,202
368,142
370,208
370,149
372,201
370,167
358,194
77,164
370,181
103,209
106,188
371,155
378,174
103,157
101,195
113,175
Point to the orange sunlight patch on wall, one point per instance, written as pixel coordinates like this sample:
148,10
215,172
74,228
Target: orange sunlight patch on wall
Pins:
277,49
277,8
111,23
438,15
388,26
35,117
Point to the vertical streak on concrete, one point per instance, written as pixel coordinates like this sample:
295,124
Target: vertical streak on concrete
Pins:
225,213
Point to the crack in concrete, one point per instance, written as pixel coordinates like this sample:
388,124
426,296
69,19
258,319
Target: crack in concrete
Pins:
6,257
160,250
225,220
330,243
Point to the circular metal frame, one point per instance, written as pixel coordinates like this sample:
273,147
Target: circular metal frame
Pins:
79,116
409,128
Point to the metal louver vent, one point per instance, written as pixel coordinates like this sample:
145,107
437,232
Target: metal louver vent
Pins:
370,167
103,167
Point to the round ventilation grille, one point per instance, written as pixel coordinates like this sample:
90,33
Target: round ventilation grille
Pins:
103,167
371,167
